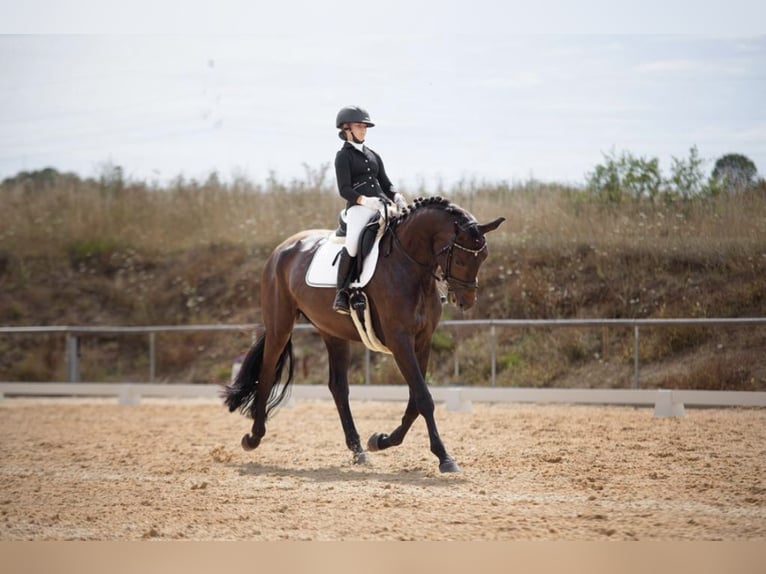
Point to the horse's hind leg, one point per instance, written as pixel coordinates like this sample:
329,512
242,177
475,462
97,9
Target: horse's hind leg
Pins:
279,326
339,353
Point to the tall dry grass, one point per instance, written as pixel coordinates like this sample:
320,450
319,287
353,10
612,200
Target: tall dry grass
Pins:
186,214
550,215
167,219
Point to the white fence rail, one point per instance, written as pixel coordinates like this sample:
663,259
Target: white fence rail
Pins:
666,403
73,334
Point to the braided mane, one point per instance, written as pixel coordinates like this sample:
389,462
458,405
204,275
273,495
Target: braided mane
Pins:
464,219
437,202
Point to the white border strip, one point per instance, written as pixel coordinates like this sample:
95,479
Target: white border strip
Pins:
131,393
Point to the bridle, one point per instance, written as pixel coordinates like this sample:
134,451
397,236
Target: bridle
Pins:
450,249
452,281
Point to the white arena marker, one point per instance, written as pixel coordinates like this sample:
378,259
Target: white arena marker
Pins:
667,406
129,396
455,402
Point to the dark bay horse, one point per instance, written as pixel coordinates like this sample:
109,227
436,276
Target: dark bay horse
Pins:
405,308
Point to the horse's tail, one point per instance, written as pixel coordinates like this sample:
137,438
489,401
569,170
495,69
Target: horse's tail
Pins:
242,394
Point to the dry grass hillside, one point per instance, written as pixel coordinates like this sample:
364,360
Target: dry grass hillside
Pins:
87,252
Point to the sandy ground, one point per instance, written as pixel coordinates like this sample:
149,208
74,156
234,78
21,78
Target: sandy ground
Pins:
166,470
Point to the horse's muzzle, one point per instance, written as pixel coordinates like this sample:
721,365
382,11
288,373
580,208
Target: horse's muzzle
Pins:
463,298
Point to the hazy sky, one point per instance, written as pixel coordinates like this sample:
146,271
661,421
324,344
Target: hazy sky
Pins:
455,95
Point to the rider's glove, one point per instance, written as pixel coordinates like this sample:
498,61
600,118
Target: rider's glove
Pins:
400,201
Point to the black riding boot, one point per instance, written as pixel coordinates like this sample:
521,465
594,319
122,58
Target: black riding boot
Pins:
345,267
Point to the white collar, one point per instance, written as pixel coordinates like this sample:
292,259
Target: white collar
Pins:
359,146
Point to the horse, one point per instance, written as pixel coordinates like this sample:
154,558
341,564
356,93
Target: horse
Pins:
405,306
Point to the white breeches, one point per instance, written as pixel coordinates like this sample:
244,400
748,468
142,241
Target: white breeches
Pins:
357,216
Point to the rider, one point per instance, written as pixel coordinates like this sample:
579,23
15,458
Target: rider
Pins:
363,183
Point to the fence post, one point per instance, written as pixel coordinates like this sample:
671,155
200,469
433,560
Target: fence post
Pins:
366,366
635,357
73,358
457,365
152,356
493,334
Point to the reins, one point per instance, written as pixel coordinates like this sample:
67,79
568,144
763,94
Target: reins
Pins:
407,255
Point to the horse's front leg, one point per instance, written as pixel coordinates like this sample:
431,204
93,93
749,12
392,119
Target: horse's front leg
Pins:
382,441
339,355
413,367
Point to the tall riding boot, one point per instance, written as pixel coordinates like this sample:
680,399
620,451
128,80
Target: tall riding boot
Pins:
345,268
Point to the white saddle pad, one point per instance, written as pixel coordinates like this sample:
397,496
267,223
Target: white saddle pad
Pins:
322,273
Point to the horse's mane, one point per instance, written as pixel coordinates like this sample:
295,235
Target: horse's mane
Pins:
464,219
434,202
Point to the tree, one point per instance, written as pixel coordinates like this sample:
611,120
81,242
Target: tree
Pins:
111,178
605,181
642,177
734,173
687,179
626,174
39,180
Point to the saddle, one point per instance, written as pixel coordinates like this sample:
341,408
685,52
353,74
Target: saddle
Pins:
322,271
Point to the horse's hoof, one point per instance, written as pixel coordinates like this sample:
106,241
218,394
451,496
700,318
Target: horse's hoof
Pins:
249,443
449,466
361,458
372,443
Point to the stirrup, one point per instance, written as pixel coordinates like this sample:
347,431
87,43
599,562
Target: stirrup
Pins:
340,305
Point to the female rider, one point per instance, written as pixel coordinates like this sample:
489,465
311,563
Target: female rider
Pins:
363,183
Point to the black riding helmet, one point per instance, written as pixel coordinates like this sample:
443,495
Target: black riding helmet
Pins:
353,114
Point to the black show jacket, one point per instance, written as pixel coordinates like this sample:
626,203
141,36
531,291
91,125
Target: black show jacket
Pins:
361,173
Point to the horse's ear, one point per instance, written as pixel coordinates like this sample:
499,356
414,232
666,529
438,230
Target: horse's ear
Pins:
491,226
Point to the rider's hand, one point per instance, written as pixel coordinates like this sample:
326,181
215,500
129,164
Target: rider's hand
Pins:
400,201
373,203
